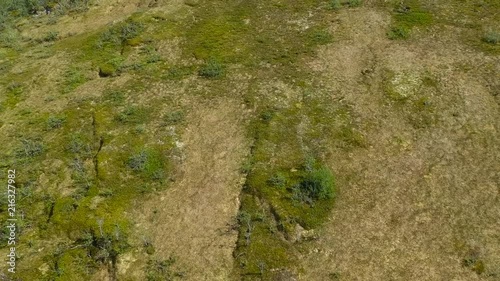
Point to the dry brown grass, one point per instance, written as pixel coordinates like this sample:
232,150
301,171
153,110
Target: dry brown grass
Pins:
412,204
193,219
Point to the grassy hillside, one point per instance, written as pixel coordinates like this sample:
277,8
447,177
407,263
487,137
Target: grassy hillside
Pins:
251,140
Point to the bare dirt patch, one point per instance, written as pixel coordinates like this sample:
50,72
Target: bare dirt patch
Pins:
192,219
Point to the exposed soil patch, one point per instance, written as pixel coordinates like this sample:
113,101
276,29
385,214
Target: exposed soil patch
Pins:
192,219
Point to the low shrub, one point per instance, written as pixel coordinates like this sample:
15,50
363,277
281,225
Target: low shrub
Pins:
335,4
54,122
51,36
398,32
492,37
107,70
132,115
161,270
149,163
318,184
278,180
354,3
212,69
173,117
30,148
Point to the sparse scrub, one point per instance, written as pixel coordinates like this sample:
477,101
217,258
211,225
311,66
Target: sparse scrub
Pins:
335,4
119,34
132,115
178,72
162,270
103,247
9,37
150,163
473,261
78,145
51,36
212,69
354,3
65,6
114,96
173,117
151,54
107,70
321,37
318,184
138,162
278,180
73,78
148,246
30,148
398,32
54,122
15,88
492,37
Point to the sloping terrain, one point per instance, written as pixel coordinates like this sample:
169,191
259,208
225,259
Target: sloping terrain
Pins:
252,140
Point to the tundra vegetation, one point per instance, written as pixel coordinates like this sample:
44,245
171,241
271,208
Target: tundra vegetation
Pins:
92,121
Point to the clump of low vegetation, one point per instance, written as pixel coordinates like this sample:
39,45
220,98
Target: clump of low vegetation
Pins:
406,16
354,3
30,148
337,4
149,163
121,34
173,117
399,32
114,96
50,36
161,270
132,115
492,37
73,78
212,69
317,184
178,72
474,262
107,70
54,122
278,180
321,37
